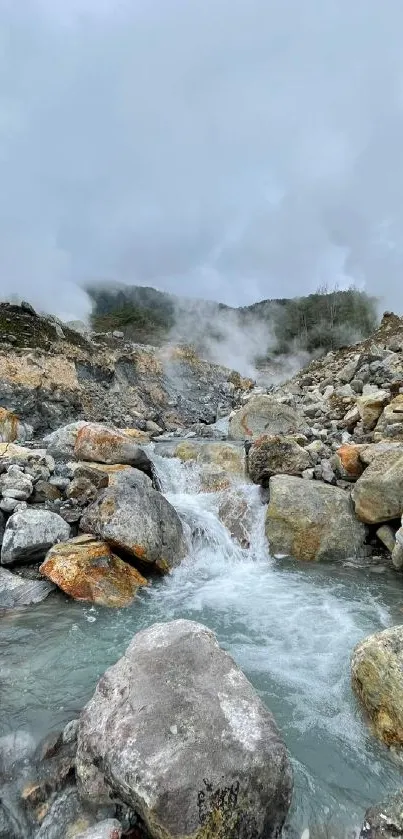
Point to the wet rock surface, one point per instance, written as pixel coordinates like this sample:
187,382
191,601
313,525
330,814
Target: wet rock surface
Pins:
377,678
148,736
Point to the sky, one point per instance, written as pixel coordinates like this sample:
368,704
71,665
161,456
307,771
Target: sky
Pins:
228,149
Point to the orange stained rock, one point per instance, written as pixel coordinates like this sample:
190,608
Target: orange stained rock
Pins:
86,569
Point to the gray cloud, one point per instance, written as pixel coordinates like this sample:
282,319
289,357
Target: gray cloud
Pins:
233,149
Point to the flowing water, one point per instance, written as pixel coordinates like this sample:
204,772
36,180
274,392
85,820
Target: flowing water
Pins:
291,628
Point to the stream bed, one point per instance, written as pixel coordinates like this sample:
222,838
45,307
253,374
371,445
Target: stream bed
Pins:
290,627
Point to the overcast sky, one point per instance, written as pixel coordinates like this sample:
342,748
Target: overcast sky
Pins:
232,149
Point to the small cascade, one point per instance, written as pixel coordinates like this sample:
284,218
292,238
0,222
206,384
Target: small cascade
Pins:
291,627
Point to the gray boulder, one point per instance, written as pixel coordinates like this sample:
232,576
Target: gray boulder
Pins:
265,415
29,535
15,484
60,444
176,731
101,444
15,591
2,526
132,516
311,520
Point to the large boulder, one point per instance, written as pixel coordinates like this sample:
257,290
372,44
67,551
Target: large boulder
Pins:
86,569
176,732
132,516
273,455
60,444
378,493
310,520
101,444
377,678
29,535
390,424
229,457
265,415
16,591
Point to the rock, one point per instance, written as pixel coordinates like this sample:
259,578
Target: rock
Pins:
83,491
371,406
70,732
2,526
66,817
10,505
15,484
60,444
311,521
131,516
30,533
213,478
16,591
377,678
86,569
347,462
153,428
186,451
397,553
378,493
108,829
348,371
391,416
229,457
265,415
45,491
272,455
141,437
151,730
11,428
386,535
101,444
235,513
384,821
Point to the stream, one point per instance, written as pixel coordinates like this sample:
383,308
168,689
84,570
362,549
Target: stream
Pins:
290,627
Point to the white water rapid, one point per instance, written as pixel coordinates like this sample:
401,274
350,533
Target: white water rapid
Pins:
291,627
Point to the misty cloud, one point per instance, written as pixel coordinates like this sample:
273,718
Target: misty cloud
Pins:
233,149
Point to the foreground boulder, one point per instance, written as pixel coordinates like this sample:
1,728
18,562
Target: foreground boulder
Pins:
264,415
377,678
378,493
29,535
176,731
273,454
133,517
86,569
310,520
384,821
108,829
101,444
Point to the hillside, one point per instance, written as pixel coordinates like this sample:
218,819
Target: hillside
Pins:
314,324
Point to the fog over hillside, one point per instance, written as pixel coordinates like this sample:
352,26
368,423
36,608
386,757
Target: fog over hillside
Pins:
227,149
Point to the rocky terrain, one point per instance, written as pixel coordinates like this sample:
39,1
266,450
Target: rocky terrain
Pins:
81,509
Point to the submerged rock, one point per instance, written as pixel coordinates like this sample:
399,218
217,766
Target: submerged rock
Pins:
86,569
236,515
131,516
310,520
273,455
378,493
29,535
265,415
377,678
149,736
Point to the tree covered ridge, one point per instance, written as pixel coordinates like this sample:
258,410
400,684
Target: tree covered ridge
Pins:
315,323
